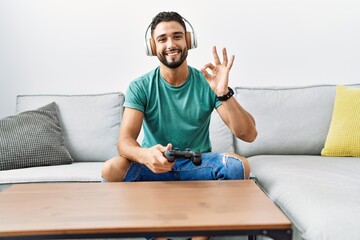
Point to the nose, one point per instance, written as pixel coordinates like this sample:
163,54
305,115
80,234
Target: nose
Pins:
170,43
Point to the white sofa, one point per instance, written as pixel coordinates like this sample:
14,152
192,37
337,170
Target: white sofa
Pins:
320,195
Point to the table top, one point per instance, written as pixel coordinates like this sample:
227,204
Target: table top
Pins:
136,207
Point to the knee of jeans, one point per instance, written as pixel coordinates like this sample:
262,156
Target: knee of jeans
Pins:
103,180
234,167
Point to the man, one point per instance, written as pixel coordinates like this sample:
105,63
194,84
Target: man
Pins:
173,104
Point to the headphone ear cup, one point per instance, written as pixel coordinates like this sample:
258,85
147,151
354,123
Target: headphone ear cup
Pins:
149,47
188,37
191,40
152,47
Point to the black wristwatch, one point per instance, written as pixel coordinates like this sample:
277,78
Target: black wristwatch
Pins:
225,97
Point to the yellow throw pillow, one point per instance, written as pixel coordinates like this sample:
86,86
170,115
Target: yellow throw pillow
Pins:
343,139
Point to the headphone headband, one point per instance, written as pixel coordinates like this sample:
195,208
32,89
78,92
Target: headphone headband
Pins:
150,47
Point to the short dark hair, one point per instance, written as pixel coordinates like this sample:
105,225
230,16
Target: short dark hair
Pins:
167,17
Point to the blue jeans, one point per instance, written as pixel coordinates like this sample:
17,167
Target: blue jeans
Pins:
214,166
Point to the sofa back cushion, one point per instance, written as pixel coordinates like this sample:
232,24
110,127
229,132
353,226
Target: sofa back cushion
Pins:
293,120
222,140
90,123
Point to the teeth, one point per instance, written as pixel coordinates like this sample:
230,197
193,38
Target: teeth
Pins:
172,53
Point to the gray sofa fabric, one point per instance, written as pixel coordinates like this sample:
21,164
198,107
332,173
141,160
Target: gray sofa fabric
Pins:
321,195
292,120
90,123
75,172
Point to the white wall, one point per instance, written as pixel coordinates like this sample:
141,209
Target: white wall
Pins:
97,46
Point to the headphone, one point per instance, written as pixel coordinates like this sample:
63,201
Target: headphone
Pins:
150,46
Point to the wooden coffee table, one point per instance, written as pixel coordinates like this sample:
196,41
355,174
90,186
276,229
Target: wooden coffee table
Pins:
139,209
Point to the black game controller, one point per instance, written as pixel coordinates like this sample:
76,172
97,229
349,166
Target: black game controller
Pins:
194,156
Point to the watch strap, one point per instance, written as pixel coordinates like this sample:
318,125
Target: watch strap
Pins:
226,96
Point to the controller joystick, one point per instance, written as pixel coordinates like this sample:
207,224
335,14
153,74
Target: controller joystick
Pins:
194,156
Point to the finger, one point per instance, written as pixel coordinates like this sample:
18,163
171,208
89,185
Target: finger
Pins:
225,57
231,62
159,170
165,165
209,65
167,147
205,73
163,160
168,165
216,56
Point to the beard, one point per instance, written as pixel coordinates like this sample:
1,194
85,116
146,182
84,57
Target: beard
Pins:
173,64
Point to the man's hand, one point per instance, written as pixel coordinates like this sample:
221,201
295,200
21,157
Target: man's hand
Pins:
219,77
155,159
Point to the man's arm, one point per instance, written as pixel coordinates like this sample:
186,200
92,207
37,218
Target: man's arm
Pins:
241,123
130,149
115,169
129,131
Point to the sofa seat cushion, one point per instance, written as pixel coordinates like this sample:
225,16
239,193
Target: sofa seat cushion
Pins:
321,195
75,172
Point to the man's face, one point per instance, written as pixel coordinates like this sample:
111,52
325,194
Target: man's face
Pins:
170,43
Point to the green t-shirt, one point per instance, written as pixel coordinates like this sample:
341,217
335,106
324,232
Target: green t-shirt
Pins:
178,115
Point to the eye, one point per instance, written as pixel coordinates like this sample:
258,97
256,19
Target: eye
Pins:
161,40
178,37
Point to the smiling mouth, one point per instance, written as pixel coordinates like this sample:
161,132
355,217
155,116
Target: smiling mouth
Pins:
172,52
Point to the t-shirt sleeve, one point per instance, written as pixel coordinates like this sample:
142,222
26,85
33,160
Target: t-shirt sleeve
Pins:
135,96
218,103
